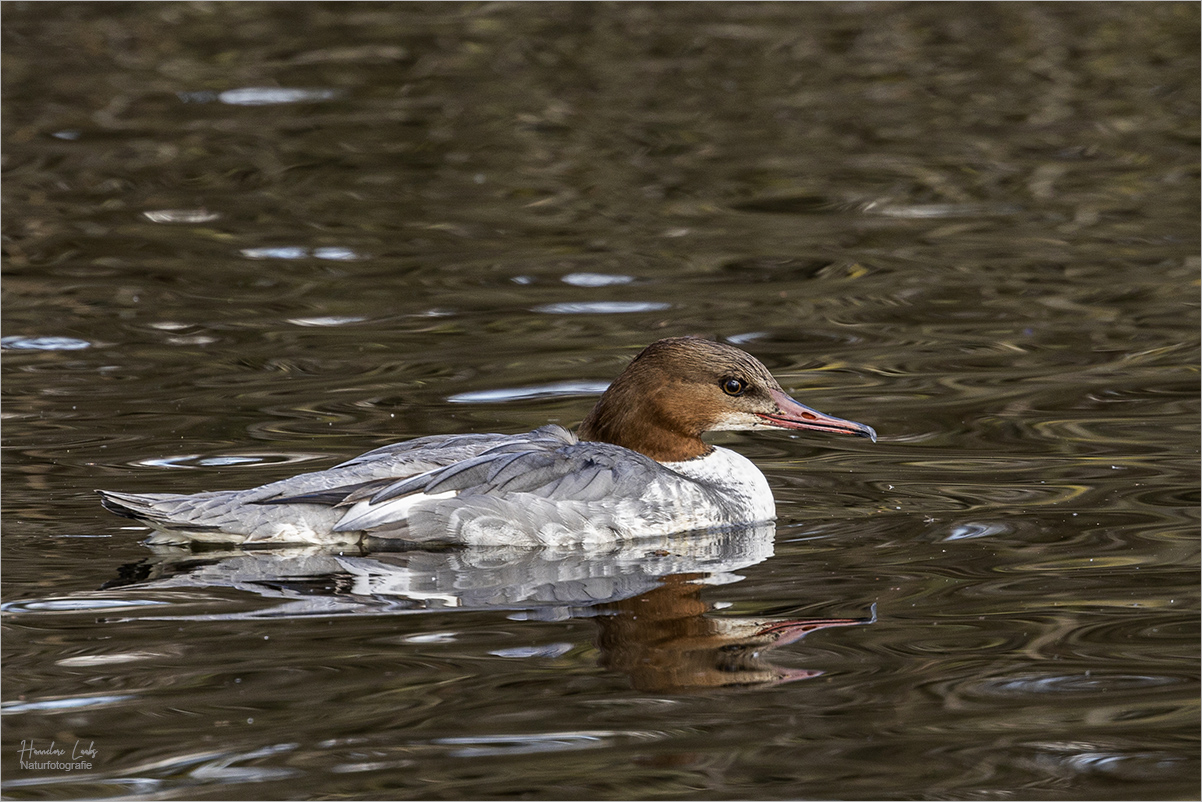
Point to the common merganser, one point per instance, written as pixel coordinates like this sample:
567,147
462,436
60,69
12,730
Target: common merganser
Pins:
637,466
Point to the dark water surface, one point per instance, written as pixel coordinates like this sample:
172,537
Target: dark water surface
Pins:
245,240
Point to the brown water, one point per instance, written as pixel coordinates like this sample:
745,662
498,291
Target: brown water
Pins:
245,240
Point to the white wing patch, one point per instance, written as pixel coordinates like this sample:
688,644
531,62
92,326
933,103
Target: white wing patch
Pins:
365,515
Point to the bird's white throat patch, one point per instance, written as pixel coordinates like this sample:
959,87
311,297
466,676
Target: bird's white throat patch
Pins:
734,475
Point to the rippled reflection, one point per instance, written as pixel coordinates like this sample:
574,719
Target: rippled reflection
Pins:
645,598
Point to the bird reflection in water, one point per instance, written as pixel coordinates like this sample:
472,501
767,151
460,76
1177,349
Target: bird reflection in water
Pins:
665,641
645,598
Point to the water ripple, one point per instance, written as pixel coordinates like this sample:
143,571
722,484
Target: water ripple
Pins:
76,605
1085,683
336,254
194,461
601,307
274,95
553,390
181,216
501,745
64,703
19,343
596,279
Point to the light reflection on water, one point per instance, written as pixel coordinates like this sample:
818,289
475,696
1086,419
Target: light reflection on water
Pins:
244,237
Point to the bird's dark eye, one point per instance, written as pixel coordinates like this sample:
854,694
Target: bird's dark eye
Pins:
733,386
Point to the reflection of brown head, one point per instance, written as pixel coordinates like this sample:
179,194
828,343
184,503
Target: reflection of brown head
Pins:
663,641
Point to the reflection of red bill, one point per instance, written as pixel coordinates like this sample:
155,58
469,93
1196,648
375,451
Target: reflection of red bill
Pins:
789,631
794,674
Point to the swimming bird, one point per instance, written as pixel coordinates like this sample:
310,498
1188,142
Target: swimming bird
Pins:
636,466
